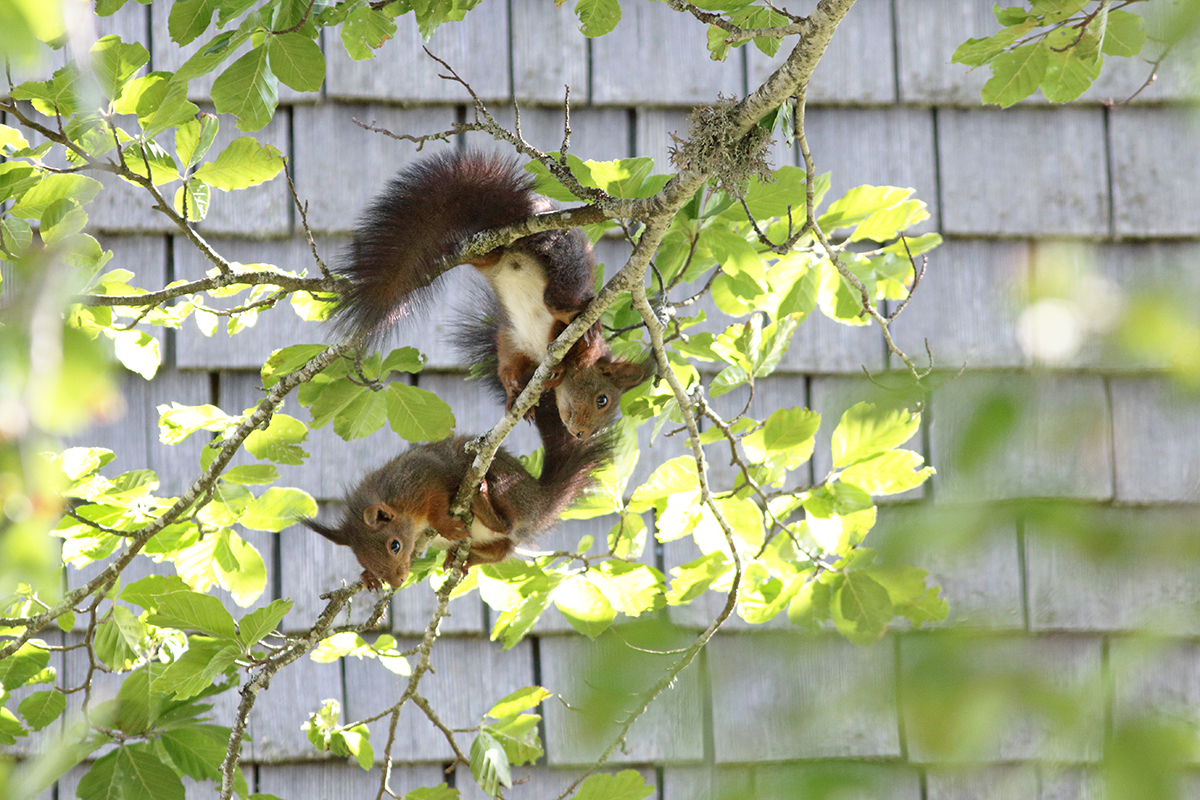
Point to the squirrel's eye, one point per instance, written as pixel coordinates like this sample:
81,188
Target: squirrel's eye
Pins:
601,400
395,546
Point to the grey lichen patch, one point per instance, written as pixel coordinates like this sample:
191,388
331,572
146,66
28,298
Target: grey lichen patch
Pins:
716,146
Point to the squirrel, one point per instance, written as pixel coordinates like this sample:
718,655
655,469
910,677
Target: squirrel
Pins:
407,238
398,509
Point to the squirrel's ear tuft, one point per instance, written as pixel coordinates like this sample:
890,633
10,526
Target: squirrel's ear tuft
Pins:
378,515
332,534
628,374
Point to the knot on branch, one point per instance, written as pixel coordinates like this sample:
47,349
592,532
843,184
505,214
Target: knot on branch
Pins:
716,146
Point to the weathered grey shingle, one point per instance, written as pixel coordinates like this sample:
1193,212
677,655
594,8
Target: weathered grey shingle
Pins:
1045,172
341,779
1146,582
597,134
988,783
966,307
1067,666
606,676
460,703
1154,163
853,781
972,557
548,53
810,697
706,782
926,35
477,48
857,68
1155,679
889,146
310,565
541,781
339,181
295,692
623,61
1016,435
1156,442
274,328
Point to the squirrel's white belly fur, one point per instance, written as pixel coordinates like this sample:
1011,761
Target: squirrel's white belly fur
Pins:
520,285
480,534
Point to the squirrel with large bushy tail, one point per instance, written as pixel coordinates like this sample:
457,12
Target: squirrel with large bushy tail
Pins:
408,238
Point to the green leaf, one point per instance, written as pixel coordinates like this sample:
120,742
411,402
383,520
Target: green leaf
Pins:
811,606
52,188
145,591
519,701
137,351
114,63
41,708
280,442
773,198
194,611
597,17
910,597
297,61
695,577
362,416
861,608
58,96
365,30
1068,75
191,200
489,765
119,640
23,665
403,359
354,742
189,19
518,735
251,474
288,360
145,775
194,138
238,568
1125,34
788,432
277,508
62,219
248,90
584,606
417,415
198,752
866,431
442,792
242,164
1016,74
177,422
625,785
512,625
197,668
163,105
890,473
631,588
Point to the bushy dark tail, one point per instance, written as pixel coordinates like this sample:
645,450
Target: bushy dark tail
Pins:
474,337
570,464
405,238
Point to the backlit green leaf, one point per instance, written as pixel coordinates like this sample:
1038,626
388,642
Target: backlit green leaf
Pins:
242,164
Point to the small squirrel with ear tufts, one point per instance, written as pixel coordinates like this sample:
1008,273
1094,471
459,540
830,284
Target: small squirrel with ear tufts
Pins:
398,509
408,237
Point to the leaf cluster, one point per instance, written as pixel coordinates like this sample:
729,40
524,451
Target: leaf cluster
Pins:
1055,45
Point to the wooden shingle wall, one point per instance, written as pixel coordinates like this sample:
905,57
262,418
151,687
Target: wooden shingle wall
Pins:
759,713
